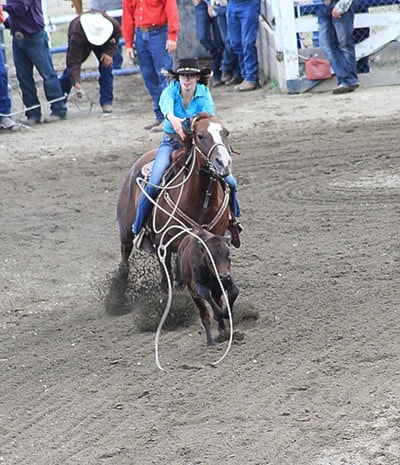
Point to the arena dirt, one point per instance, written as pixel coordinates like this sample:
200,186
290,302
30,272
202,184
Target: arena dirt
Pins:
314,377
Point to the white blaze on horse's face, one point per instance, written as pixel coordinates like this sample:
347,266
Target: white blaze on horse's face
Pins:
222,161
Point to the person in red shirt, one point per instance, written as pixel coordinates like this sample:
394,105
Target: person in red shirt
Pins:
150,29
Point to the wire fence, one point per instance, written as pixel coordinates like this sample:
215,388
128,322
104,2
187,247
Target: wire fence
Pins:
385,59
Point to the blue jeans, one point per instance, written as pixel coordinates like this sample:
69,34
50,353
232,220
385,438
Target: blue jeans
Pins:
209,37
5,102
242,17
32,51
118,57
230,61
160,166
153,59
233,201
337,42
106,80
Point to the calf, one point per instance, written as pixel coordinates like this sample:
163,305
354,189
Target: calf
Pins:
198,273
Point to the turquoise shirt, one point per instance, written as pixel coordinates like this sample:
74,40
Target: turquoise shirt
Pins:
171,101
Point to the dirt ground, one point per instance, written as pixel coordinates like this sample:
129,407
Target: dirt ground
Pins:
315,380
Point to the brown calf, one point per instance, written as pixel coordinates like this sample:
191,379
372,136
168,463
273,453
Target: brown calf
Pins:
198,273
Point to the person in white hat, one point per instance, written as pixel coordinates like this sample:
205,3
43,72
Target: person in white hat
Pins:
97,32
107,6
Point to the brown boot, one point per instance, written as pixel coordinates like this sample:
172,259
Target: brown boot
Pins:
235,228
245,86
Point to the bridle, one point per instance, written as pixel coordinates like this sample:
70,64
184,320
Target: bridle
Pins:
191,160
206,156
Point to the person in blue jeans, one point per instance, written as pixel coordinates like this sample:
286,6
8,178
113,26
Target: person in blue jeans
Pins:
242,17
186,96
30,46
336,38
97,32
150,30
6,122
230,64
209,36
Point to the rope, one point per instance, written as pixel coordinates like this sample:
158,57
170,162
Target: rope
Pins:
33,107
78,101
162,253
82,102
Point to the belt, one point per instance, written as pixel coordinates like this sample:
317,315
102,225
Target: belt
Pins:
150,28
23,35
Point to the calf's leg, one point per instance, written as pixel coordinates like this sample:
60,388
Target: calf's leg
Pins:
205,319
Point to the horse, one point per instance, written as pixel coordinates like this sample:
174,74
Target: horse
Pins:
194,193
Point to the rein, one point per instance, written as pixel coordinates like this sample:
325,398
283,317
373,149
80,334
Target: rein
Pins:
175,207
209,153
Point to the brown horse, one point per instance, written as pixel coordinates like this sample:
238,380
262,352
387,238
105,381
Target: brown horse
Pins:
194,194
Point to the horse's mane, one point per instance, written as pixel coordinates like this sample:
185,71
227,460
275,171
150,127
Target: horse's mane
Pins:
179,156
199,117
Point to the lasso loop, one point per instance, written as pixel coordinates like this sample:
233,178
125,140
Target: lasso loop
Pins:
161,255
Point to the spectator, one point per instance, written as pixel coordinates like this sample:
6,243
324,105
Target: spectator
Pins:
209,37
336,38
96,32
186,96
5,102
105,5
229,64
31,49
151,29
242,17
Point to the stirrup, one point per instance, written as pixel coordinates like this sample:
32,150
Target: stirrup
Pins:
137,241
235,229
143,242
236,223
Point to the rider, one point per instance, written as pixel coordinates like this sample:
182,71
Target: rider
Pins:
186,96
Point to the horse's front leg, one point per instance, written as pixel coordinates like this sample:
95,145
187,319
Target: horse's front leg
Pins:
126,250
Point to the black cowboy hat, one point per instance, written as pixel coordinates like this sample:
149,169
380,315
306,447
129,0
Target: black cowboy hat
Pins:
189,66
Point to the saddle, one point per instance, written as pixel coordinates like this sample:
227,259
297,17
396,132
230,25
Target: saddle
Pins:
144,241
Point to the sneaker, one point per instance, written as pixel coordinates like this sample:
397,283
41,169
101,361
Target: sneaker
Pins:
226,76
107,109
245,86
158,128
7,123
151,125
53,118
342,89
354,86
234,81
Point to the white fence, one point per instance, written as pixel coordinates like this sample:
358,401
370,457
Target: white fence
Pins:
282,22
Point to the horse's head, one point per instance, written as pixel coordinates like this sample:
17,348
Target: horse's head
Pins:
210,138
